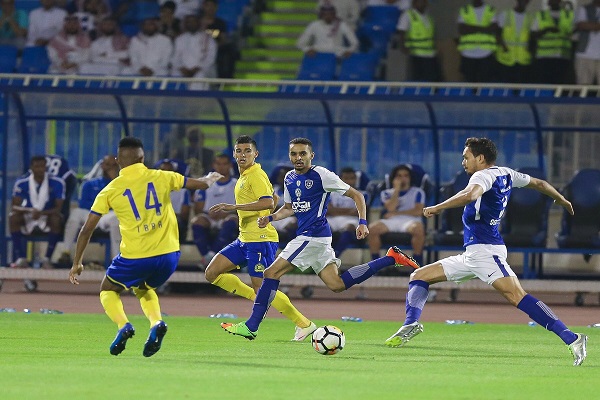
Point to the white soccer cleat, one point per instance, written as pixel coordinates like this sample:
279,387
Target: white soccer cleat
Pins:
404,334
578,349
303,333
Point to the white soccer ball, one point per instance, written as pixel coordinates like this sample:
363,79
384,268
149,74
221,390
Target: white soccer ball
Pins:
328,340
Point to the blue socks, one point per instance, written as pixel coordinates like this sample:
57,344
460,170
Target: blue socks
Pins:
543,315
415,300
361,273
200,238
263,300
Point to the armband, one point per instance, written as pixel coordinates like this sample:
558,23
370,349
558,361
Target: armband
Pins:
270,217
362,222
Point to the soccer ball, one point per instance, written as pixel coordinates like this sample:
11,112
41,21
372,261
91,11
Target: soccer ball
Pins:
328,340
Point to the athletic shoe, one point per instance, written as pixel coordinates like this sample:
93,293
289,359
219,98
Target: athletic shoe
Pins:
20,263
303,333
578,349
239,329
401,258
118,345
157,333
404,334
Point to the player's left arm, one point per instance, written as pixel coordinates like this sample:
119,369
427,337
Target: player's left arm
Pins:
202,183
469,194
544,187
82,241
361,206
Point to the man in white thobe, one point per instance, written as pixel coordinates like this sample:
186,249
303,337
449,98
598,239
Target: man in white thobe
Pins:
149,51
45,22
109,52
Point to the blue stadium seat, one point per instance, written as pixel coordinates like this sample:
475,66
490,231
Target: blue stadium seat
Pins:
358,67
146,9
34,60
130,30
374,39
416,91
495,92
8,59
384,16
320,67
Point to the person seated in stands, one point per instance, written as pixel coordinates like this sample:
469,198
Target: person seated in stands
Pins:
108,222
403,205
184,7
149,51
227,53
346,10
69,49
286,228
204,220
13,24
45,22
169,25
195,53
180,200
109,52
37,200
328,35
342,214
90,14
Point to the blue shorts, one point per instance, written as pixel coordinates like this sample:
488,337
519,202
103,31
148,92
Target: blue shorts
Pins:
152,271
255,255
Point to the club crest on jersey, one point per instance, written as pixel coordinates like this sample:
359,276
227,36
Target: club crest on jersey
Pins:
259,267
298,192
308,183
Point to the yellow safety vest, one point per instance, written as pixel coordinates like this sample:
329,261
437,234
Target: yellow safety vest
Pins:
419,38
517,42
472,41
553,43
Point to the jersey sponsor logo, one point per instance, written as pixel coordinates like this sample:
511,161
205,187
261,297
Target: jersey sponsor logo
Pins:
259,267
301,206
494,222
308,183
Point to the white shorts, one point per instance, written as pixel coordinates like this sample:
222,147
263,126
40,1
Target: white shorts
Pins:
31,224
306,252
339,223
484,261
400,223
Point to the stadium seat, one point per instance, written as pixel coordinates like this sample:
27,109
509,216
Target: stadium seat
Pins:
374,39
581,230
34,60
450,232
320,67
8,59
384,16
146,9
358,67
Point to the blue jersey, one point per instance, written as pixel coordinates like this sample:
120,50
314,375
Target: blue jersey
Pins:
309,196
56,191
481,218
90,190
58,166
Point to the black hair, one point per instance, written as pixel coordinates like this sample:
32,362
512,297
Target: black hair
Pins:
37,158
131,143
482,146
400,168
169,4
245,139
301,140
347,170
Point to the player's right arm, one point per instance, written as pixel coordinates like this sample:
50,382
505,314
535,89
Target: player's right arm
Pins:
82,241
202,183
544,187
469,194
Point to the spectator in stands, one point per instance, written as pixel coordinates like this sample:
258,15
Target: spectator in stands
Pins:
403,205
37,200
346,10
479,36
417,38
184,7
149,51
342,214
587,53
109,52
45,22
13,24
227,53
90,13
205,220
513,54
180,199
195,53
328,35
286,228
192,151
169,24
69,49
108,222
401,4
551,33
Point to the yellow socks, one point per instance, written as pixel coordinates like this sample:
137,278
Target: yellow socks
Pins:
113,306
282,303
150,306
233,284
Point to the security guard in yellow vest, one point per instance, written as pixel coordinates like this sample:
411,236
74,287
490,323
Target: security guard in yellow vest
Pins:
416,35
478,38
551,33
513,55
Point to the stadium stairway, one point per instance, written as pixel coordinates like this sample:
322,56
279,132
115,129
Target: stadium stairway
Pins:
271,52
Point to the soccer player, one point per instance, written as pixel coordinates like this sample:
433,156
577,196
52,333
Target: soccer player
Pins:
255,248
307,193
140,197
484,201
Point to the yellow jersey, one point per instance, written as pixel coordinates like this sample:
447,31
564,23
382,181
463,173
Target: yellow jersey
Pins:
252,186
140,197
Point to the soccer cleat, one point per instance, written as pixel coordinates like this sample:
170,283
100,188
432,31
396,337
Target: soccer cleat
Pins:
154,341
118,345
578,349
401,258
239,329
404,334
303,333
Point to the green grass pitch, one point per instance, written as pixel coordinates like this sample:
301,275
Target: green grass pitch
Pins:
66,357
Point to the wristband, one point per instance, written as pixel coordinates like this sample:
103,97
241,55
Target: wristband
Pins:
362,222
270,218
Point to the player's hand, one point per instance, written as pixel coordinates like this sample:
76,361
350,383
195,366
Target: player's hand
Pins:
212,177
429,212
566,204
362,231
76,269
263,221
221,207
35,213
